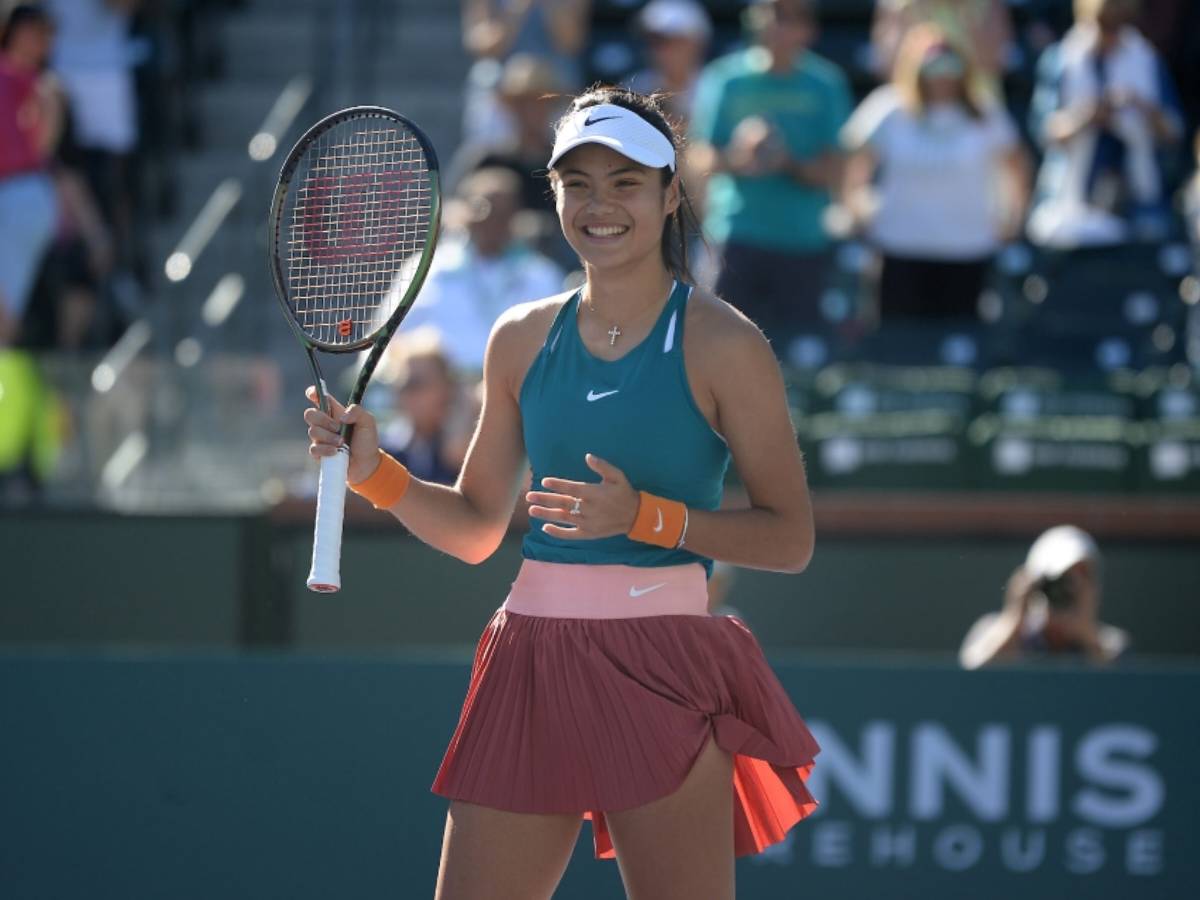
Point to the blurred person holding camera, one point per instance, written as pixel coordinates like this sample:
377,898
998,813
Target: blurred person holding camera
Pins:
765,127
1105,109
1051,608
937,179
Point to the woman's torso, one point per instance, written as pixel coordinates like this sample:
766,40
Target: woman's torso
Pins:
637,412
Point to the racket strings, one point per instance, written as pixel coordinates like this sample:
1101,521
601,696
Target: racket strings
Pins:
360,218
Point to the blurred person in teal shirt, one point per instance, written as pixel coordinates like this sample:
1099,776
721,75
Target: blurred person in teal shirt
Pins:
765,125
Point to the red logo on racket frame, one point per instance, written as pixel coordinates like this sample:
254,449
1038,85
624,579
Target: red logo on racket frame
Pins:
357,218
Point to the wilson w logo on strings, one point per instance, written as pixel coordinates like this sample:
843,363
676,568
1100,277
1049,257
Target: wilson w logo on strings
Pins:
360,217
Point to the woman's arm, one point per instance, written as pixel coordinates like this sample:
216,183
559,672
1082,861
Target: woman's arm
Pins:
996,637
858,195
469,519
776,532
1065,124
1017,174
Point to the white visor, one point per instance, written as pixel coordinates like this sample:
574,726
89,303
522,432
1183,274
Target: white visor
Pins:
616,127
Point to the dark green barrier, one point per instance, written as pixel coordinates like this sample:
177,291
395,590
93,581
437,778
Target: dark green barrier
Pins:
916,594
92,579
101,578
299,777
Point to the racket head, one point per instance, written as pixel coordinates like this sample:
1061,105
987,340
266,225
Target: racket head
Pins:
353,226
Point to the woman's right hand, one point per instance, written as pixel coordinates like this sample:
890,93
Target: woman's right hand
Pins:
324,433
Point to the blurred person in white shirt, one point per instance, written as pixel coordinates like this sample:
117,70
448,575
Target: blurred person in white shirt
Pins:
938,179
481,268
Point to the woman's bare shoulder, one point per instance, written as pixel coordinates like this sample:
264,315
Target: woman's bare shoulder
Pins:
519,334
721,330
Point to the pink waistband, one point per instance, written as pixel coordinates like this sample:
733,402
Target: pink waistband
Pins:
570,591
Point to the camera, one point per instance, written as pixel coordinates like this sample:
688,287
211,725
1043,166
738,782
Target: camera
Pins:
1059,592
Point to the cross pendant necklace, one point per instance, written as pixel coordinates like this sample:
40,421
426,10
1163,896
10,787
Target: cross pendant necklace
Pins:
613,334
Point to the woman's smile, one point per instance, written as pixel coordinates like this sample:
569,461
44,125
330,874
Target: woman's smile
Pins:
604,232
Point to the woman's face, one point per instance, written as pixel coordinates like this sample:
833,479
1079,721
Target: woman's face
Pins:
611,208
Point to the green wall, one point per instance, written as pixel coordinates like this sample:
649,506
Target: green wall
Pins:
290,776
92,578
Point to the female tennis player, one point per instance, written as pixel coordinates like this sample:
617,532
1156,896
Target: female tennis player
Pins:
602,688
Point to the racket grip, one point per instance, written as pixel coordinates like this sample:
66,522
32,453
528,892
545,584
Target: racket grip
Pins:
325,575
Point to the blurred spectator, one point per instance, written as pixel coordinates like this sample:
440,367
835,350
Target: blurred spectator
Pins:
496,30
676,34
1191,197
482,270
982,28
765,124
930,156
63,314
527,90
435,418
1051,608
94,57
31,427
1105,108
30,123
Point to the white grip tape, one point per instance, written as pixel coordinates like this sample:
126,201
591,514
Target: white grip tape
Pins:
327,537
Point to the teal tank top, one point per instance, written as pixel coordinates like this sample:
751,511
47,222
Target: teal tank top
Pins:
636,412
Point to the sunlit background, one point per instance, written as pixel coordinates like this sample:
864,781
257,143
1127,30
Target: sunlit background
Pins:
180,718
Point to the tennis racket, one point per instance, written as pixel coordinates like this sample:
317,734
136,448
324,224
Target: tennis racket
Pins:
353,225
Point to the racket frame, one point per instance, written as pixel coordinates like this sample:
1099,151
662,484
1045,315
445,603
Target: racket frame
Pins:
376,340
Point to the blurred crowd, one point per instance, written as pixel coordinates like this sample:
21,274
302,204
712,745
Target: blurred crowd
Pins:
97,99
961,131
928,136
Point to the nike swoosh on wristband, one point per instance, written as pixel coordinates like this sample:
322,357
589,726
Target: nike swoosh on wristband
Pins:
593,396
637,592
591,121
659,526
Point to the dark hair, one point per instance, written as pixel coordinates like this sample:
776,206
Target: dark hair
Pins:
18,17
682,225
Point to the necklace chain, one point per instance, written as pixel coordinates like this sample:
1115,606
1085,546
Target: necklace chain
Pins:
615,331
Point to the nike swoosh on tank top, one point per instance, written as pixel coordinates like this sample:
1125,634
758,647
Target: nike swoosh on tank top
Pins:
636,412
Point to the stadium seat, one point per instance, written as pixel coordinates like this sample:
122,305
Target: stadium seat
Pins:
896,427
1168,457
1042,429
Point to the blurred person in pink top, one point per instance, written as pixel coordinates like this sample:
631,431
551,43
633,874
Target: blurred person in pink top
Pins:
30,123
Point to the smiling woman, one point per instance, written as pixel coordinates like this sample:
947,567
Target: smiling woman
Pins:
602,688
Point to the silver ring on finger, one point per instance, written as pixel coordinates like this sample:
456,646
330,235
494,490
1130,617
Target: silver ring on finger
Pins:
575,510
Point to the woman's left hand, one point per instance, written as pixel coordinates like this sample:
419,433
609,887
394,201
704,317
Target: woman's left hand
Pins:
587,510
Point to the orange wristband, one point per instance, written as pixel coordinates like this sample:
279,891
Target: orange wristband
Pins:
386,485
659,521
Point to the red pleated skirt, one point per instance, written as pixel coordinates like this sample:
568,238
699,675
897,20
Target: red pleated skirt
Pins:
595,688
